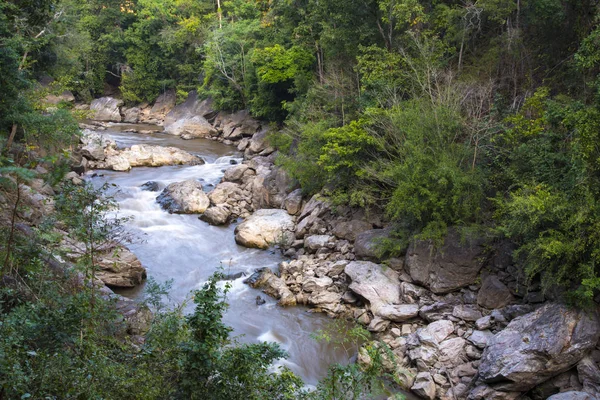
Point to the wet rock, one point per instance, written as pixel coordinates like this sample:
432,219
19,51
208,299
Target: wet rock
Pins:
538,346
185,197
264,228
260,301
350,229
151,186
456,264
216,215
233,277
146,156
106,109
493,293
272,285
366,243
120,268
376,284
424,386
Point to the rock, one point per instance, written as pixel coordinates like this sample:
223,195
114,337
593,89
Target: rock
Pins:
466,313
411,293
440,330
189,119
185,197
275,188
232,277
378,324
264,228
325,299
484,392
315,242
224,192
493,293
216,215
191,128
350,229
572,395
293,202
337,268
120,268
131,115
451,267
150,186
435,311
480,338
237,125
453,352
589,376
106,109
64,97
484,323
163,104
259,143
313,284
235,173
538,346
398,313
424,356
366,243
94,145
260,301
147,156
376,284
272,285
424,386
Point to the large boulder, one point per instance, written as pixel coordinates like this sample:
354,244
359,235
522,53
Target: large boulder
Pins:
185,197
456,264
366,243
259,144
216,215
264,228
349,230
225,192
493,293
94,145
107,109
237,125
146,156
538,346
120,268
376,284
163,104
132,115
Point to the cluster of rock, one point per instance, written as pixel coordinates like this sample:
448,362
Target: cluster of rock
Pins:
100,152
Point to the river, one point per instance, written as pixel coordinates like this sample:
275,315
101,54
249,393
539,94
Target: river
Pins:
188,251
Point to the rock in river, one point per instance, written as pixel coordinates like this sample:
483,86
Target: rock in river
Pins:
264,228
185,197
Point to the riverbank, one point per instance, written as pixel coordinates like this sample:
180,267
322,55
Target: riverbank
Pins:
453,316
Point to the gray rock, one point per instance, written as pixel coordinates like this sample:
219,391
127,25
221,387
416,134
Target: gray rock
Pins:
164,103
484,323
484,392
480,338
264,228
237,125
293,202
454,265
367,242
272,285
572,395
493,293
436,311
185,197
399,313
378,324
106,109
453,352
589,376
131,115
259,143
314,284
216,215
151,186
466,313
440,330
315,242
190,118
349,230
376,284
538,346
235,173
424,386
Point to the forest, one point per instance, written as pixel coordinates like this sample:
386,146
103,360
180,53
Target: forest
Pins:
482,114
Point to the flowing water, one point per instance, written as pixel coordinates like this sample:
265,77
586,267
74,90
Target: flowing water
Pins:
188,251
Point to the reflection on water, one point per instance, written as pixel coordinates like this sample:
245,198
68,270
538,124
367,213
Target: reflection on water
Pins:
187,250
